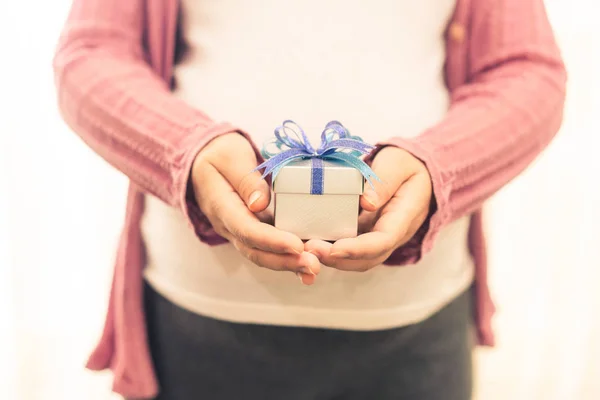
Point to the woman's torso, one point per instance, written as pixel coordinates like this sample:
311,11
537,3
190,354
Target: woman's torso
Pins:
378,68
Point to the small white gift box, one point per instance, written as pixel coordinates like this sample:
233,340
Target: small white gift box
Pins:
331,215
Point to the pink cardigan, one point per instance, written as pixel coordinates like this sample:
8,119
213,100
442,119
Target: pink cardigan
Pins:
113,68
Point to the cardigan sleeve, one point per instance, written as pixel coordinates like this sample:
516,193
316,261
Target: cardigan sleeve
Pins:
505,114
109,95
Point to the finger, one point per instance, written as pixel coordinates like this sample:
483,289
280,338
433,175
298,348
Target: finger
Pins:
236,167
317,247
399,220
367,246
266,217
322,250
406,208
255,191
226,209
414,227
246,228
366,221
306,279
304,263
390,177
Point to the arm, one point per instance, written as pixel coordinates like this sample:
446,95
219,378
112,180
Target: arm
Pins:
111,98
506,113
499,121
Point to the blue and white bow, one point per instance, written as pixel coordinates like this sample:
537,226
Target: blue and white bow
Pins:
291,143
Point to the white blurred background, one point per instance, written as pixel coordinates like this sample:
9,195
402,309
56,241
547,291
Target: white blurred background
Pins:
61,209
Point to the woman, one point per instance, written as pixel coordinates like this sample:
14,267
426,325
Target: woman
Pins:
205,321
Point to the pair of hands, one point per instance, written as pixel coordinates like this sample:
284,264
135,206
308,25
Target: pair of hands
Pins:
234,201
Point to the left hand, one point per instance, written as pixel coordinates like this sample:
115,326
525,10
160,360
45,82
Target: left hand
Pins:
392,213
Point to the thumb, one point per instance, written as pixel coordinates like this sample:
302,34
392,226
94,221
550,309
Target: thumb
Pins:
255,191
236,167
388,166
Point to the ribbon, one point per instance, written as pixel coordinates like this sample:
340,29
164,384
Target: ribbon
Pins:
291,143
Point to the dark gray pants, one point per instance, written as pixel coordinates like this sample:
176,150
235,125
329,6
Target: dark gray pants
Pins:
202,358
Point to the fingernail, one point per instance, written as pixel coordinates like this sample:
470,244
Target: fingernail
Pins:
307,270
371,201
340,254
299,275
254,197
294,251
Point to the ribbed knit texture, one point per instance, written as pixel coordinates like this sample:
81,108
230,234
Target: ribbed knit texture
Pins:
113,67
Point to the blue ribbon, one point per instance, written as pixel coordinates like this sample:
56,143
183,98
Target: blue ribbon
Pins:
291,143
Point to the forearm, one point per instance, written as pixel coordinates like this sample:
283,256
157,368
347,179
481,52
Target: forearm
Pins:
112,98
127,115
493,130
500,119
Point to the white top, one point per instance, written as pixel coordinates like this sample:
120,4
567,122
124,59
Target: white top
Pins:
376,67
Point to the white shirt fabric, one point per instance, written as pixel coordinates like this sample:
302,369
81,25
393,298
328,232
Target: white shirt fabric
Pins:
375,66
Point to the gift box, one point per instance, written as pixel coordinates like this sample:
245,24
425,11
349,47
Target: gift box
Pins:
317,190
329,212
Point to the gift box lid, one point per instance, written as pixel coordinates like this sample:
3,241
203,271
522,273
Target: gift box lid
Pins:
338,178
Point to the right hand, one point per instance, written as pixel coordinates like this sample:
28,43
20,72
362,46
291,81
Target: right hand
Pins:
229,195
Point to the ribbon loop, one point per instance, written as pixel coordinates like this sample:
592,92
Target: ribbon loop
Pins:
291,143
